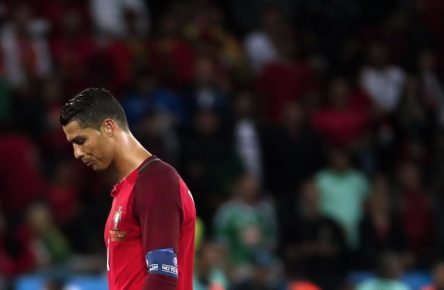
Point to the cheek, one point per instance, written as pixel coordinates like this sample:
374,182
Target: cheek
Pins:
105,153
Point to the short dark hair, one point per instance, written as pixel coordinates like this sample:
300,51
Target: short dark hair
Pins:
91,107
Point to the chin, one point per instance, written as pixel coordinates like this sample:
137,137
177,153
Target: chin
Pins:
97,168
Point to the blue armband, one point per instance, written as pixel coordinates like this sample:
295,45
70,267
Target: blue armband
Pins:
162,262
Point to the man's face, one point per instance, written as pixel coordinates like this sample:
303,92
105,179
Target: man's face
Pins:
91,146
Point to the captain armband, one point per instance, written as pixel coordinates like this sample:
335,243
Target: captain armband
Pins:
162,262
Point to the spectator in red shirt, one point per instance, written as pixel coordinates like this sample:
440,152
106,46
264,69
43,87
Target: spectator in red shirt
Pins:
172,58
341,122
71,48
415,208
24,47
20,174
284,80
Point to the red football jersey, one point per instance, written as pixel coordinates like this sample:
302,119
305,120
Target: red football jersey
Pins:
149,233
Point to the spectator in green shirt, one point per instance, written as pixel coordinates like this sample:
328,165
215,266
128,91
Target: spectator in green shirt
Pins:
343,191
246,224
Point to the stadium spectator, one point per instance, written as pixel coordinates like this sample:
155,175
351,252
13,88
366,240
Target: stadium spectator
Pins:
248,133
293,151
51,248
382,81
315,245
389,271
431,89
289,78
21,173
109,16
247,225
341,122
343,190
72,48
210,264
380,229
171,57
415,208
259,44
16,255
26,55
209,161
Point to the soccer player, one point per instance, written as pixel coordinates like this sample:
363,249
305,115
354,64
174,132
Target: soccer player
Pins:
149,233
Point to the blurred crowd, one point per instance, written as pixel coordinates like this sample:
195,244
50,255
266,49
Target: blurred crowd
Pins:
310,132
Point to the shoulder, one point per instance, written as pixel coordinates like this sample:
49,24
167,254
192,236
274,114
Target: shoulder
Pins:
156,172
157,180
266,206
323,176
358,177
226,211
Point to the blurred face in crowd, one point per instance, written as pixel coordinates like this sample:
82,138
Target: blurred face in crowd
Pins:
212,255
39,218
244,105
94,147
377,55
145,83
22,16
390,266
248,188
286,44
169,25
339,160
379,200
271,18
71,22
207,122
339,93
293,116
204,72
426,61
409,177
310,198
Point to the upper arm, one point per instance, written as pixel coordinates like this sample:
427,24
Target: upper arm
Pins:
157,208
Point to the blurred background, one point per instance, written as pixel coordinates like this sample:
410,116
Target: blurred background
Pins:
310,132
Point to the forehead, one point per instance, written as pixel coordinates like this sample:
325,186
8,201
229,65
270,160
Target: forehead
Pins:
73,130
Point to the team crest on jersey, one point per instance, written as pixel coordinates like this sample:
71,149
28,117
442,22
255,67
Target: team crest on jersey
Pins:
115,233
117,218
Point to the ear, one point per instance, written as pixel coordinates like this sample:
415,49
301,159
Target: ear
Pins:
109,127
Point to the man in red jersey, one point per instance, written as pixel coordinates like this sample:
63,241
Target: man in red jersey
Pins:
149,233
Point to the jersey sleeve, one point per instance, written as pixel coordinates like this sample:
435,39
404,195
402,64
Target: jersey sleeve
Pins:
157,207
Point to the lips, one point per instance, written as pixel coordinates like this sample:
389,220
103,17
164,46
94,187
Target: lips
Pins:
87,163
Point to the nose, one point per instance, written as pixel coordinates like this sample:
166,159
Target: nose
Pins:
78,153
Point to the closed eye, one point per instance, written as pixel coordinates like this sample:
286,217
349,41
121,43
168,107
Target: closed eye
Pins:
78,140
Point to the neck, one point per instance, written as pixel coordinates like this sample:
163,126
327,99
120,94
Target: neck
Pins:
129,155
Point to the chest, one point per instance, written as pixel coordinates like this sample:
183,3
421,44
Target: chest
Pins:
121,225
